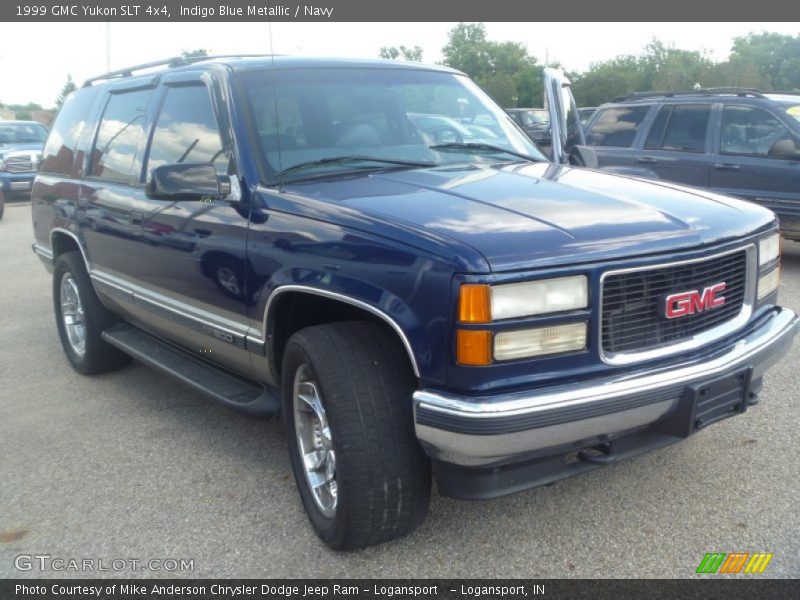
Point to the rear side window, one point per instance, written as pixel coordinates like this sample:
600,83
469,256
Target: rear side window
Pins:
118,136
750,131
680,127
617,127
59,152
187,131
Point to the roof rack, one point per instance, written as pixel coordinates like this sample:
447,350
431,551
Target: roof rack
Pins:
738,91
175,61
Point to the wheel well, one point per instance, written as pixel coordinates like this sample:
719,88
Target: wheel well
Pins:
63,243
294,311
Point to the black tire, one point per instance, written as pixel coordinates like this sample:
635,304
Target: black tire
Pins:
2,204
98,356
382,475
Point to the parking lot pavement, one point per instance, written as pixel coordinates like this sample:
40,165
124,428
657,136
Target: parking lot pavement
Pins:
132,465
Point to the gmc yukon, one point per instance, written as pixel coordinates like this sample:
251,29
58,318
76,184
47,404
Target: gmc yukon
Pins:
290,236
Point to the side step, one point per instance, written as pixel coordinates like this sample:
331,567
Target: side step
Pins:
218,384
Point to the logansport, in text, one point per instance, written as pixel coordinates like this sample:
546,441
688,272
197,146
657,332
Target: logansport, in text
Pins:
255,10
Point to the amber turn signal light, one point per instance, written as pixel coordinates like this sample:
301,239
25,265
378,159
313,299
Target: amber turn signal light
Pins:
474,304
473,347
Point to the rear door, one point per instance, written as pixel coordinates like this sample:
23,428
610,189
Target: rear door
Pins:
678,143
743,162
182,262
614,133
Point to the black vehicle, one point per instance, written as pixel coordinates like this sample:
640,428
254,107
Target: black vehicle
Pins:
738,142
535,122
585,114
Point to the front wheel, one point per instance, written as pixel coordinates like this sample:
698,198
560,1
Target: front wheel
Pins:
363,477
81,319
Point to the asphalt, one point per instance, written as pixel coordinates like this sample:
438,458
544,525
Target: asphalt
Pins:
132,465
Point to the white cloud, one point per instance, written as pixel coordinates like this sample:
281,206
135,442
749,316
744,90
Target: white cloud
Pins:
35,58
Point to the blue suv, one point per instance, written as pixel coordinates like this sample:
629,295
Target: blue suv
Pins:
321,239
21,145
737,142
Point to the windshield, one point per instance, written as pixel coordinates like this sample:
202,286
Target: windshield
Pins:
535,117
404,115
21,133
793,110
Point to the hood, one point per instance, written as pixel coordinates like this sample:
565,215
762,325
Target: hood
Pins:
8,148
541,214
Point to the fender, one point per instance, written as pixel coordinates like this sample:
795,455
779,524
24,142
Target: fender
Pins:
348,300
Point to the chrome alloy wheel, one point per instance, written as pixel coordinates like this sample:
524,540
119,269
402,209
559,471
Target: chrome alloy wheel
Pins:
227,278
314,440
72,314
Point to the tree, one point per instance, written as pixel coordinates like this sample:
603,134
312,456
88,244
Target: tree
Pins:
504,70
395,52
68,88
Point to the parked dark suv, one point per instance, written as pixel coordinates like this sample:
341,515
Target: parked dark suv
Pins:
284,235
733,141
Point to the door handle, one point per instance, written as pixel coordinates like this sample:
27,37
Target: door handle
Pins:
726,167
203,233
647,160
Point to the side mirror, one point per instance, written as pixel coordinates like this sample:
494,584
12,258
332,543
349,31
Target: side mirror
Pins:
565,124
785,149
584,156
184,182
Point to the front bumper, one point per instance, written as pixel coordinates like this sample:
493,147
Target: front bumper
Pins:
489,433
16,182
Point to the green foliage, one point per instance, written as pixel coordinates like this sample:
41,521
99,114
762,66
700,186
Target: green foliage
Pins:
401,52
68,88
505,70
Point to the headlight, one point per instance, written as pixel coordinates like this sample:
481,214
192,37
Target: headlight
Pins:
540,341
538,297
481,303
769,282
769,249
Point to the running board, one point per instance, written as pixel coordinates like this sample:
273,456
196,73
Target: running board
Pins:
218,384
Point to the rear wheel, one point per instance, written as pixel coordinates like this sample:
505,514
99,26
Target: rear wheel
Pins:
2,203
81,319
362,476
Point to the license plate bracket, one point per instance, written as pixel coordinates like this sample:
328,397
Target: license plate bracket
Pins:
708,402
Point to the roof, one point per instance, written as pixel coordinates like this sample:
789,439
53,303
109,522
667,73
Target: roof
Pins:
258,62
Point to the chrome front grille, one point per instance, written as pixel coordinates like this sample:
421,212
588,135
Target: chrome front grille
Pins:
633,307
19,164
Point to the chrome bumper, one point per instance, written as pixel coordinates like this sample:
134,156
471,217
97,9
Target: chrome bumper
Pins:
482,431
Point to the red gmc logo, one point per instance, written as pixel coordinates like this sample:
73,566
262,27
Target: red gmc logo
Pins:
688,303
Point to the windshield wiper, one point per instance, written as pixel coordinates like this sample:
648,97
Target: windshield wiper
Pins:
332,160
481,147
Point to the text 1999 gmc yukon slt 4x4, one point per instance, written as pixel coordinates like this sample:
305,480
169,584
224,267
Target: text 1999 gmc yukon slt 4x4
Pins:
316,238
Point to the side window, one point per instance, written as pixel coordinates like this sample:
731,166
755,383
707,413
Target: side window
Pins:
617,127
186,131
750,131
118,136
59,152
655,137
687,127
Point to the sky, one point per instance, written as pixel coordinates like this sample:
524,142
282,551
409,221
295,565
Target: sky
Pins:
35,58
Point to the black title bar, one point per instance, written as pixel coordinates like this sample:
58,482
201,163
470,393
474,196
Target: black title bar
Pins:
373,589
407,10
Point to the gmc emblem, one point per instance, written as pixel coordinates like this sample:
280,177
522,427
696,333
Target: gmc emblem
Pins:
688,303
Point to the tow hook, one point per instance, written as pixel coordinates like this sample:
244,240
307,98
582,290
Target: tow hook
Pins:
605,457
